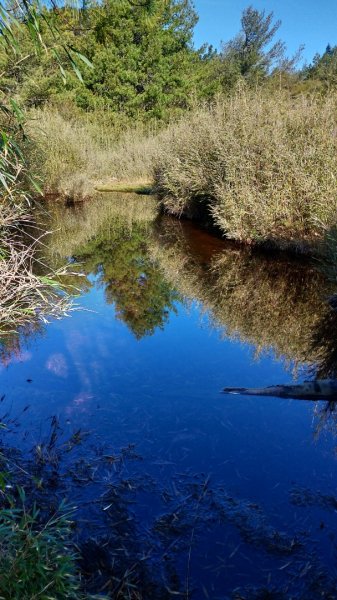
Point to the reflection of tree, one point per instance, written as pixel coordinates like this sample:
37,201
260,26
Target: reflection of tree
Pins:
131,280
12,343
74,226
273,303
109,237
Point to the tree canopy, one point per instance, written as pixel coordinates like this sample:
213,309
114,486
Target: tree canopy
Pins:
324,67
141,52
253,53
143,61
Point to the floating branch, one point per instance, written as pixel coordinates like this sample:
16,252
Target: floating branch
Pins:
323,389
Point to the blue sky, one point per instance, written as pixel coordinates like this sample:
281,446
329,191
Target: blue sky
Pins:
309,22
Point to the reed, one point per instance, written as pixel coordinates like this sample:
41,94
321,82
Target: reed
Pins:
75,157
259,167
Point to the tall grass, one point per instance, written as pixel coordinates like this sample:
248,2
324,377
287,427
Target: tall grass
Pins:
24,296
35,559
260,167
73,156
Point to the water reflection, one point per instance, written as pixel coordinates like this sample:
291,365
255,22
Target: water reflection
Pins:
145,263
273,303
194,308
14,343
133,282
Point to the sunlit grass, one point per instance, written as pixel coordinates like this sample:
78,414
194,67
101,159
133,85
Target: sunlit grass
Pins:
260,167
76,158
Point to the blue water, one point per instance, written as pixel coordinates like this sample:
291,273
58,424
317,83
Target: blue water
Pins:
238,533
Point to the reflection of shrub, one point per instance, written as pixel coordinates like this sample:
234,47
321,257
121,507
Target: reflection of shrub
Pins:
79,224
262,167
270,303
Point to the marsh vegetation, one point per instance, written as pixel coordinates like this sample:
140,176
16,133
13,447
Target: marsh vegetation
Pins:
243,138
114,95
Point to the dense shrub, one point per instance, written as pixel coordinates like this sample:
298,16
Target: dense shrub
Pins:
261,167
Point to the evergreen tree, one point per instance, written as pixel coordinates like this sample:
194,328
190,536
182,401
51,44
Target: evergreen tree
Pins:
323,68
142,54
252,54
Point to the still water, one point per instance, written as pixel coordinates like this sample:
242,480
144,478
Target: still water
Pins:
219,496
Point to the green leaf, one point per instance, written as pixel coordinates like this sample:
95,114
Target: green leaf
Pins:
58,59
17,111
82,57
35,185
48,281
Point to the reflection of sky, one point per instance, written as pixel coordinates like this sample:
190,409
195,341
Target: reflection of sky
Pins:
162,393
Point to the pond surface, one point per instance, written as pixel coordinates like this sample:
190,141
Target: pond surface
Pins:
228,496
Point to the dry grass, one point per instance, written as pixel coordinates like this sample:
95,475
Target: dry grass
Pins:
79,156
260,167
25,296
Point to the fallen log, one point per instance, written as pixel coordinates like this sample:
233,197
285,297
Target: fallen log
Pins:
321,389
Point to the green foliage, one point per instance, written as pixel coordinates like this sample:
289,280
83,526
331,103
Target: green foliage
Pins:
144,64
141,55
25,33
35,560
253,54
132,281
142,59
323,68
248,55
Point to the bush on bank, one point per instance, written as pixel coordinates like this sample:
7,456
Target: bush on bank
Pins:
259,167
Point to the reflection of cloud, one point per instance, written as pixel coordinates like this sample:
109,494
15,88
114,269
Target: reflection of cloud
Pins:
76,339
23,357
56,363
82,398
76,344
79,403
